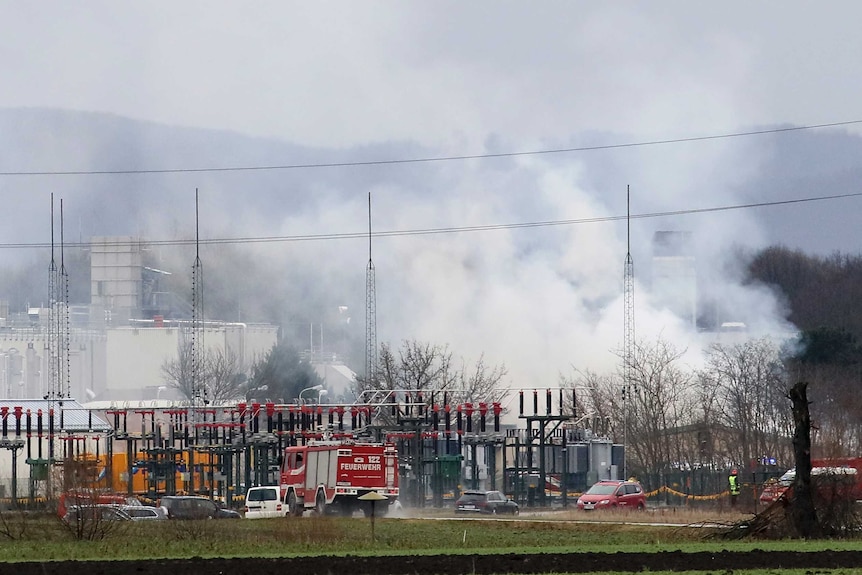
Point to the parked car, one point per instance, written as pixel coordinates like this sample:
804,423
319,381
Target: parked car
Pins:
90,497
144,512
263,502
194,507
492,502
612,494
95,512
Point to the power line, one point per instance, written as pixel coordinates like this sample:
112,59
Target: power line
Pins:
447,230
429,159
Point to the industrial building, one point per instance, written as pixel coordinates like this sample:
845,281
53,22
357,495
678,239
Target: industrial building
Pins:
116,344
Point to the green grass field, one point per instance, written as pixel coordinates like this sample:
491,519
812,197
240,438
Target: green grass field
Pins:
45,538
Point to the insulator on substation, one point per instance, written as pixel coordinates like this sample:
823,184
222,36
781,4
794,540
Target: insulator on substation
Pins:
255,414
435,416
548,402
460,421
498,409
270,411
535,402
29,424
319,415
353,414
483,411
447,409
561,402
4,413
421,403
521,402
574,403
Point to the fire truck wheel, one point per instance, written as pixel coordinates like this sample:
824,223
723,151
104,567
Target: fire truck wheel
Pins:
320,503
293,506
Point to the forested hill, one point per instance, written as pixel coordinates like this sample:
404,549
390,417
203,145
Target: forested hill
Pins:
823,293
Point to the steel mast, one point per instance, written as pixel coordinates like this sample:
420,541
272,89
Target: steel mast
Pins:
370,312
628,329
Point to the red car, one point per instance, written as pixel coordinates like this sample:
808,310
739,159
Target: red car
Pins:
613,494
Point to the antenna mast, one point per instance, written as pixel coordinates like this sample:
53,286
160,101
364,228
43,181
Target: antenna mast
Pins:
64,388
629,328
53,321
198,390
370,311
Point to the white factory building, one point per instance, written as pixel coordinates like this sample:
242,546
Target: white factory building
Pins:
118,343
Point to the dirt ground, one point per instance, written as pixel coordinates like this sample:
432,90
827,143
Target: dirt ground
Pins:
459,564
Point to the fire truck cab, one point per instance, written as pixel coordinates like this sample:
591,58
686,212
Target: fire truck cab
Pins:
330,476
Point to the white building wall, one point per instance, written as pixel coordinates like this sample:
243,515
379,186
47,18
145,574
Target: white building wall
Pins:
259,341
86,364
116,360
135,355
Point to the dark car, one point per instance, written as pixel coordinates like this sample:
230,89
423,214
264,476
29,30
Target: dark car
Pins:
492,502
612,494
192,507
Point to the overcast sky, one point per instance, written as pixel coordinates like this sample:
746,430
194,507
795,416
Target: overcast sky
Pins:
389,80
447,73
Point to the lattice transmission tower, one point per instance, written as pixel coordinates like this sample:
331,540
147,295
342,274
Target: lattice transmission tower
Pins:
58,384
196,347
370,311
628,328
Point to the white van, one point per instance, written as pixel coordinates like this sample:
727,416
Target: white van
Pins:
264,501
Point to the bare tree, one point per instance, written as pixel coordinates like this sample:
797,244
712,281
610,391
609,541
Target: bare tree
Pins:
596,398
803,513
218,373
480,382
179,372
751,398
660,397
416,371
415,366
224,380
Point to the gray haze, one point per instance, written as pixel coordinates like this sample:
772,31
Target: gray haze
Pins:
107,86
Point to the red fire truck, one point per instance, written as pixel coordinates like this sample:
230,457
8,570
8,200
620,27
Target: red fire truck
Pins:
333,475
838,476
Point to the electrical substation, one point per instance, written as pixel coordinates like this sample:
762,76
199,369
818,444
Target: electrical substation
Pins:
444,446
447,440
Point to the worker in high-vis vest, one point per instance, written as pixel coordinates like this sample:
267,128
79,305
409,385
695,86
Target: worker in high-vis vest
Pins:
733,480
